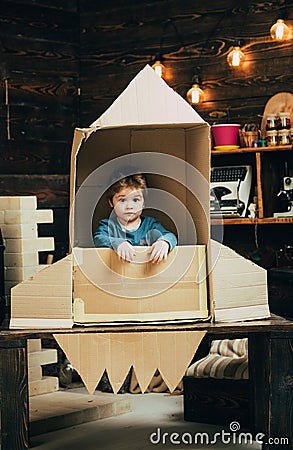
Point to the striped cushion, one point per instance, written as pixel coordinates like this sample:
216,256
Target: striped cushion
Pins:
228,359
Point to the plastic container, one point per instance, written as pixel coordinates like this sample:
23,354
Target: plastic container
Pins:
226,134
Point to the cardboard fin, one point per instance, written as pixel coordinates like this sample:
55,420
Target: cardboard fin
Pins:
147,359
234,278
184,346
91,354
44,295
123,351
87,353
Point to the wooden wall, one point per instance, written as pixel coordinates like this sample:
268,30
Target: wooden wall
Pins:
51,48
39,46
118,39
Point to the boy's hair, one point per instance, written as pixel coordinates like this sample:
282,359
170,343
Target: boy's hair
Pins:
137,181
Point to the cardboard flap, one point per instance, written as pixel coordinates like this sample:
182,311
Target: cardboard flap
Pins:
91,354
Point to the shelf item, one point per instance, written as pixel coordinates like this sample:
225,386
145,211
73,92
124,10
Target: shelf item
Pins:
270,167
223,150
250,221
282,101
226,147
230,189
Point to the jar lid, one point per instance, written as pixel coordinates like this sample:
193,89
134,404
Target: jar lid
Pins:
284,114
271,116
272,132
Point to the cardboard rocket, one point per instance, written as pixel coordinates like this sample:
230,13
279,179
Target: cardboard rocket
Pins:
149,128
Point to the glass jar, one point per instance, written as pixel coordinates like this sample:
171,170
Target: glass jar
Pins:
272,138
271,122
284,122
284,137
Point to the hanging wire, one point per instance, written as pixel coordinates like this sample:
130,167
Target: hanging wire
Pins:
4,76
168,23
7,109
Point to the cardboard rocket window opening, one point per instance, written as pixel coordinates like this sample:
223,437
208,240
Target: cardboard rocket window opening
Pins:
151,129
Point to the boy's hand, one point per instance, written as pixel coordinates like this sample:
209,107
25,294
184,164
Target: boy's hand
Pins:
159,251
125,251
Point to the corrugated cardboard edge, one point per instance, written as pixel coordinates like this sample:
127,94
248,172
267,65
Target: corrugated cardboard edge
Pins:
170,352
80,134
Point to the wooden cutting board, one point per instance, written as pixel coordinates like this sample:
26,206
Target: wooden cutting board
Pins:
281,102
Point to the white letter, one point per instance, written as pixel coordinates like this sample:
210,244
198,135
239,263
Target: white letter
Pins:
259,438
228,434
174,436
189,441
158,433
164,435
215,438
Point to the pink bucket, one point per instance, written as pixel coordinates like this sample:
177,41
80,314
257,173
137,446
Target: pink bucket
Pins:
225,134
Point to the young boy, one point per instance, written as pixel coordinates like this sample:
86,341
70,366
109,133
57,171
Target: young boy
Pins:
127,228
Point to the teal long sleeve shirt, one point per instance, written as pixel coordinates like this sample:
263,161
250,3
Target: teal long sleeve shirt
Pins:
110,233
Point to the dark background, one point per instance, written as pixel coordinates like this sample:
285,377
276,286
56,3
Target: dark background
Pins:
66,61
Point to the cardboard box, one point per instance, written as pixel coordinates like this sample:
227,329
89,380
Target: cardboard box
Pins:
152,129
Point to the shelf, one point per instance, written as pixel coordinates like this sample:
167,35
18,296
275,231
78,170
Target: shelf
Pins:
250,221
252,150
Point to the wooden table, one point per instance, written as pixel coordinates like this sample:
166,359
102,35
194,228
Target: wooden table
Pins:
270,372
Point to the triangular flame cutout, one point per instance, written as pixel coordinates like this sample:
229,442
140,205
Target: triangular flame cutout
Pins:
91,354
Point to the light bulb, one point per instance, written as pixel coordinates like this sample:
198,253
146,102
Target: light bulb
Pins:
195,95
159,68
280,31
235,57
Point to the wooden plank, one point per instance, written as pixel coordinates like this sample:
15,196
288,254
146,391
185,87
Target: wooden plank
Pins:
45,128
14,398
34,374
260,207
34,157
45,385
271,374
42,357
27,21
51,190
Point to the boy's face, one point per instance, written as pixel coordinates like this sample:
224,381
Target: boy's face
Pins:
128,204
